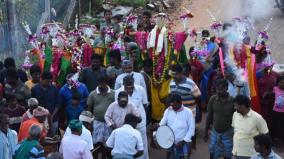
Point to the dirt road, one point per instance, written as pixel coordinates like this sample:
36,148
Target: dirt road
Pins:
224,10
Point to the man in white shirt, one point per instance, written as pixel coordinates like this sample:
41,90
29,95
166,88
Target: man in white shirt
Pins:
117,111
8,138
127,67
180,119
138,97
126,142
86,134
74,146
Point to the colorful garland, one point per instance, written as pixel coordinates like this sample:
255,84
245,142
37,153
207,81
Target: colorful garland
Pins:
159,72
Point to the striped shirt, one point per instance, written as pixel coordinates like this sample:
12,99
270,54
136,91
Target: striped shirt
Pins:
188,91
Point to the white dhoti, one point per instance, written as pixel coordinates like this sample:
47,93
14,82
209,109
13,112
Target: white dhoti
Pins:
143,132
141,127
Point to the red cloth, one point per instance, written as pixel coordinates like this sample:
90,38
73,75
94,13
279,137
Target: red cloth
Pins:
87,55
196,70
180,38
266,83
240,56
141,39
24,129
255,100
55,66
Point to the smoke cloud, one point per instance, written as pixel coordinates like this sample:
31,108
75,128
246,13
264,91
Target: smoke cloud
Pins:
255,9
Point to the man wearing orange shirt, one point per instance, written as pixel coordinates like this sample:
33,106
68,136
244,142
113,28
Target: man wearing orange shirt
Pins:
40,114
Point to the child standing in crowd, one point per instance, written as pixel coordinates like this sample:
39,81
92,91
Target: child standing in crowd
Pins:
74,109
15,112
278,111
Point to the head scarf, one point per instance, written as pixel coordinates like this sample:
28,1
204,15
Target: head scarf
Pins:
86,116
75,124
40,111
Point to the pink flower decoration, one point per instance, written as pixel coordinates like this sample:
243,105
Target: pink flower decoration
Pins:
186,15
216,26
193,33
200,53
264,35
131,19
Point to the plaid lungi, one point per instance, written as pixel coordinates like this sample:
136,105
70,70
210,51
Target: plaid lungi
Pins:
101,132
221,144
178,152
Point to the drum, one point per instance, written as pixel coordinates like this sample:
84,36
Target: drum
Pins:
50,145
164,137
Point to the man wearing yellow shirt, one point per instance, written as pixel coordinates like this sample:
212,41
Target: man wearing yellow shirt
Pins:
247,124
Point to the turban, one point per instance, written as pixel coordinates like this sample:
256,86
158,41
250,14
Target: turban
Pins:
86,116
40,111
75,124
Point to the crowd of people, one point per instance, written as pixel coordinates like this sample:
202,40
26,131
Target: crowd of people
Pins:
105,103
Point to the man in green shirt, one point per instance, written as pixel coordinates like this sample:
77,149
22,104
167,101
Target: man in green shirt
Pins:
220,111
98,102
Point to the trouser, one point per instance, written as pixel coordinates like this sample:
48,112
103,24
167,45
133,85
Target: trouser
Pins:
143,132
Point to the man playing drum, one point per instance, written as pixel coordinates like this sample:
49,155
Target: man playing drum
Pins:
180,119
126,142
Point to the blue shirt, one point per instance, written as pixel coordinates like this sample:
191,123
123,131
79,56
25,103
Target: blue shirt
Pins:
66,95
47,97
73,112
89,77
210,46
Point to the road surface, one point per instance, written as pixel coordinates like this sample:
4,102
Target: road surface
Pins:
224,10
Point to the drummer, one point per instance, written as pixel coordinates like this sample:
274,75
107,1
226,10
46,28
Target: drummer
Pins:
126,142
180,119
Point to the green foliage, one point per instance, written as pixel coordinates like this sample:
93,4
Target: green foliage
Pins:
29,11
85,20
